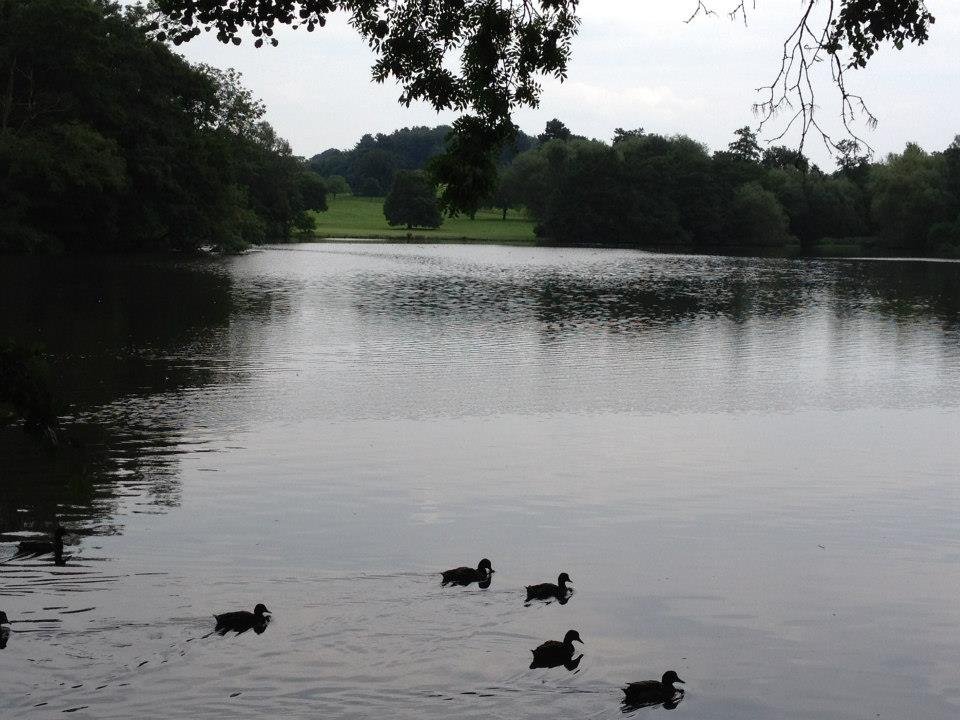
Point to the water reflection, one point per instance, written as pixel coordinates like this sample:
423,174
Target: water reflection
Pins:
322,423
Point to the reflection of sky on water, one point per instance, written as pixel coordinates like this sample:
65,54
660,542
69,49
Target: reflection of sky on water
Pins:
744,464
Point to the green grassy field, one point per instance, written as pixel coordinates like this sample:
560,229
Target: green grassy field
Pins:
362,218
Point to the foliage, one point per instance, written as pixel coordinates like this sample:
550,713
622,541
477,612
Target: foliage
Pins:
781,157
336,185
109,141
757,217
412,201
554,130
909,195
370,165
647,190
485,57
745,146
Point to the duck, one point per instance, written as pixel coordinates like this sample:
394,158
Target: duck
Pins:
653,692
546,591
466,575
4,630
243,620
553,652
33,548
4,620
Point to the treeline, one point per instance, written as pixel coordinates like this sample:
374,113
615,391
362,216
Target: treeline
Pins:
110,141
648,190
370,167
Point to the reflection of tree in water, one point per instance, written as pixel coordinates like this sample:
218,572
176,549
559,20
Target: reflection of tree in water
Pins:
901,290
114,330
665,291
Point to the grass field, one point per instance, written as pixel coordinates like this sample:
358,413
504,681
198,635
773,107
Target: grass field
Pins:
362,218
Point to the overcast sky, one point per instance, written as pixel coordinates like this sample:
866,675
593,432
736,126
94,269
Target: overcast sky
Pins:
635,64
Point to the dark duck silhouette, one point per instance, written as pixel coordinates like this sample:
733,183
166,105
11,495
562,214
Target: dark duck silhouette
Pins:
466,575
654,692
35,548
554,653
243,620
4,630
549,591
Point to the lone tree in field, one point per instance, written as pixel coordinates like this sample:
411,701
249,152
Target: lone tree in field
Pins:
412,201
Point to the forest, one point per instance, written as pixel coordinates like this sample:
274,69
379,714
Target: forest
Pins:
109,141
649,190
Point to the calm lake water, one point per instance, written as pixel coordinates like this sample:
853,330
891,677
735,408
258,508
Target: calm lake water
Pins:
749,468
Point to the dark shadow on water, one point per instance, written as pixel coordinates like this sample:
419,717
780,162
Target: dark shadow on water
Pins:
571,665
667,704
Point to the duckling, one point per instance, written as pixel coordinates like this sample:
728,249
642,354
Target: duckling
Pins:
546,591
33,548
653,692
553,653
466,575
242,620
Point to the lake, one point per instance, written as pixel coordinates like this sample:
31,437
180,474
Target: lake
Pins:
749,468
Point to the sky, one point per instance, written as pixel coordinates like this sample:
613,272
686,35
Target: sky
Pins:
635,63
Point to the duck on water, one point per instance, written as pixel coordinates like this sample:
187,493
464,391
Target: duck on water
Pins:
4,629
242,620
654,692
549,591
467,575
554,653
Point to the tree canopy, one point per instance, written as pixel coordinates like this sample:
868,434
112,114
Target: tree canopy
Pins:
110,141
485,57
648,190
412,201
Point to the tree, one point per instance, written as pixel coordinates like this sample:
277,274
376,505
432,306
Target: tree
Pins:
620,135
312,190
336,185
554,130
412,201
485,57
781,157
745,145
908,197
756,217
110,141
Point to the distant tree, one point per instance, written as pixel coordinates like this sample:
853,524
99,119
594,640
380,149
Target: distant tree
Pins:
374,164
780,157
368,187
909,195
620,135
757,217
487,57
951,160
554,130
467,173
313,191
529,182
745,145
336,185
412,201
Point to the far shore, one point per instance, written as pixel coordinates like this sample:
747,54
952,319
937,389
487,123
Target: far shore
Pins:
361,220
